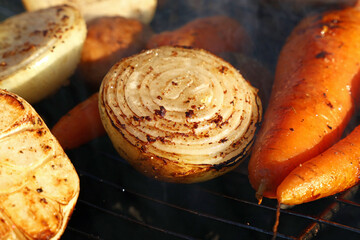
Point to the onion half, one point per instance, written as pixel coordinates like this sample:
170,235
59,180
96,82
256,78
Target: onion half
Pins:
179,114
143,10
40,50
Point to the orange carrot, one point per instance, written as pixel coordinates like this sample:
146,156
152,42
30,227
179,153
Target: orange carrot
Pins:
80,125
312,99
331,172
216,34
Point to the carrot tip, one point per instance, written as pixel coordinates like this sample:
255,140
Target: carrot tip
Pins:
260,192
259,198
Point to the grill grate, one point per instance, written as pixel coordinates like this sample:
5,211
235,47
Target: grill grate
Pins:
119,203
116,202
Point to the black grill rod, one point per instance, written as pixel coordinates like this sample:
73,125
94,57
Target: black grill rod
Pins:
323,218
219,219
348,202
311,231
136,221
82,233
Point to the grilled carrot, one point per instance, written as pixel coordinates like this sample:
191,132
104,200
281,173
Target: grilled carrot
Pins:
216,34
312,99
80,125
333,171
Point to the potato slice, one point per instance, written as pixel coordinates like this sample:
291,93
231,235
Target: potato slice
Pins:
40,50
39,186
142,10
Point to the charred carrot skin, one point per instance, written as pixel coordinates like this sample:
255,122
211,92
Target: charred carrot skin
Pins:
80,125
312,98
331,172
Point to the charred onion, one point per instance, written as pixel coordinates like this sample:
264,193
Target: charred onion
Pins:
40,50
143,10
179,114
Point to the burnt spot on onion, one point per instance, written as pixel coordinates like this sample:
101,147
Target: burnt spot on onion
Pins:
150,139
160,112
217,120
189,114
143,149
65,18
235,160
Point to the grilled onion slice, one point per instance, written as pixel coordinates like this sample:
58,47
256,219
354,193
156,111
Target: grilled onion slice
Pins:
40,50
179,114
142,10
39,186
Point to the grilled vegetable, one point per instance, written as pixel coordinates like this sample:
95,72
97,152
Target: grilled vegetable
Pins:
313,97
331,172
38,184
142,10
178,114
208,33
40,50
108,40
80,125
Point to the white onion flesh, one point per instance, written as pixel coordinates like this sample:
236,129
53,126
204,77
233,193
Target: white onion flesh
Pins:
40,50
184,105
143,10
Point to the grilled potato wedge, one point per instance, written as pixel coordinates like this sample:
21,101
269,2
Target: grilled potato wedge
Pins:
40,50
39,186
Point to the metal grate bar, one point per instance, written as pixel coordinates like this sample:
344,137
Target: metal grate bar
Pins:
312,223
197,213
348,202
312,229
170,233
322,219
83,234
